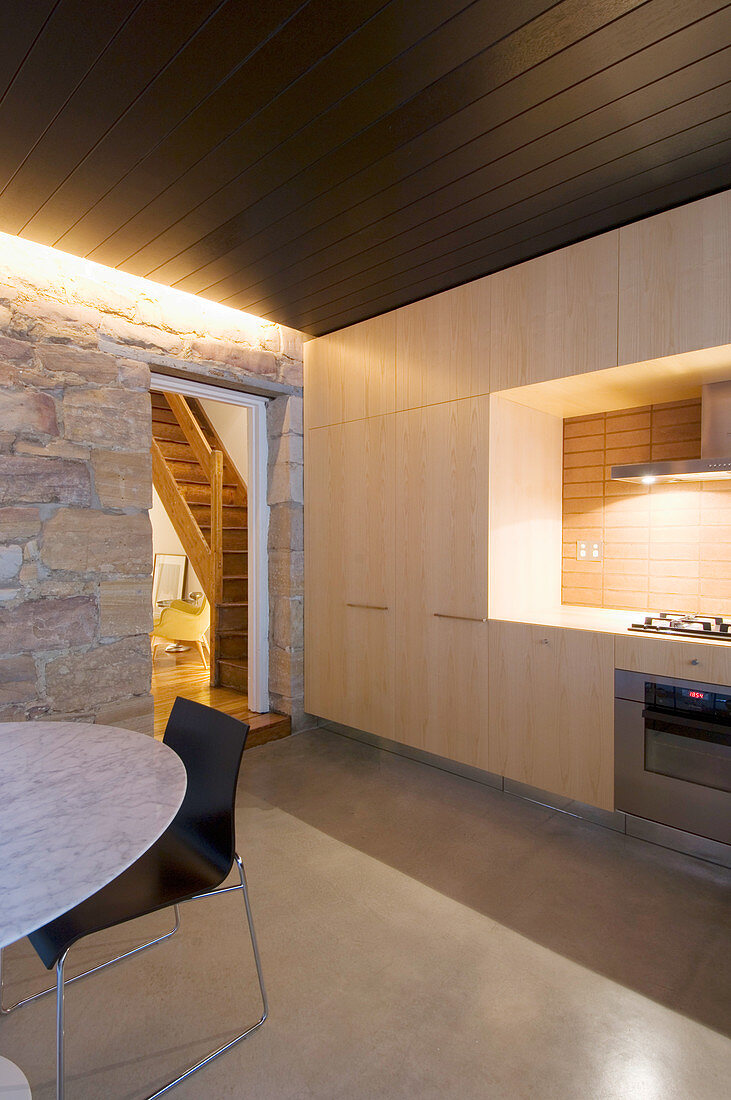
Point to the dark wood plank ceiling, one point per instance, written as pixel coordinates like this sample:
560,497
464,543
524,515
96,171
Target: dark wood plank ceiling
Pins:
320,162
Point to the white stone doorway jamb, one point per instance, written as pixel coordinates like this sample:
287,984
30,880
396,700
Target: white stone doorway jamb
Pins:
258,523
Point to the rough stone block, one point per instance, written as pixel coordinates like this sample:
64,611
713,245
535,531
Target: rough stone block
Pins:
109,417
286,624
133,375
286,527
29,480
286,482
36,625
27,413
291,371
286,572
286,672
125,607
84,541
83,681
53,448
123,480
286,449
78,364
285,414
14,712
11,559
283,704
292,344
18,680
29,574
135,713
15,351
19,523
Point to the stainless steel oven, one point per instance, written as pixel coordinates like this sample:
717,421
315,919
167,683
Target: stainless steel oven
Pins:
673,753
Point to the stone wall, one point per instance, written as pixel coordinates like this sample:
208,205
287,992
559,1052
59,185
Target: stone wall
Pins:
75,482
75,550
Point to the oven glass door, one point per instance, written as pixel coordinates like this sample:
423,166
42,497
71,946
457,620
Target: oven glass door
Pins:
683,748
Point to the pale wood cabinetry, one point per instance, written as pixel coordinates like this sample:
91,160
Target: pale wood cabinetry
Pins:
442,346
351,374
350,590
441,579
675,281
688,660
556,315
552,709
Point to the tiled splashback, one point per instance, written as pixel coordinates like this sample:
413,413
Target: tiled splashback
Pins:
665,546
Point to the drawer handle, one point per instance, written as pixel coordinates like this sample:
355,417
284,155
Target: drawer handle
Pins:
368,606
695,661
543,641
462,618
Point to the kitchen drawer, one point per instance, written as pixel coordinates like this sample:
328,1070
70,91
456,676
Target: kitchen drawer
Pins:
708,662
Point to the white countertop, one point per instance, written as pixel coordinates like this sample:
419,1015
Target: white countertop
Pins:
79,803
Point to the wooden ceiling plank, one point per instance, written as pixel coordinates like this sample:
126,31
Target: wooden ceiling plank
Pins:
22,24
510,169
291,127
132,61
52,69
176,92
379,129
277,61
454,273
257,224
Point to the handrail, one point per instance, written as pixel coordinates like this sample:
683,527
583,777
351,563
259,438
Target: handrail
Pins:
191,429
219,445
183,521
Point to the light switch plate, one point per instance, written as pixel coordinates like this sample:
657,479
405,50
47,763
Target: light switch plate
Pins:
589,550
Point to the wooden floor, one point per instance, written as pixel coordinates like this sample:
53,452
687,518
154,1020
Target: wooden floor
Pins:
183,674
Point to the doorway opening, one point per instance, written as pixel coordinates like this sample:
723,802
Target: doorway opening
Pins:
209,524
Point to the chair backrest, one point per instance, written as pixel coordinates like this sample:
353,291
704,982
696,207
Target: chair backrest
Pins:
211,745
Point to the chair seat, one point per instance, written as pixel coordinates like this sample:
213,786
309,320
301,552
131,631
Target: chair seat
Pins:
170,872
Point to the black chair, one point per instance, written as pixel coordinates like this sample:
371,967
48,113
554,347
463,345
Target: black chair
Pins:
189,861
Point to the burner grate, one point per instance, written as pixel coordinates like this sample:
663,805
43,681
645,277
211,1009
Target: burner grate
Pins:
677,623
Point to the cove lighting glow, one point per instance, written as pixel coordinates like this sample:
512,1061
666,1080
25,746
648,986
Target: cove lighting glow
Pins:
34,269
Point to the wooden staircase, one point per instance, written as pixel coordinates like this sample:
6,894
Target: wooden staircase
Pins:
206,501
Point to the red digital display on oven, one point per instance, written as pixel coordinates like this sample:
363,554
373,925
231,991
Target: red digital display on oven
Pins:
696,695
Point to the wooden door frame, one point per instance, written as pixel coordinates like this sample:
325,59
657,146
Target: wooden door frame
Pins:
258,522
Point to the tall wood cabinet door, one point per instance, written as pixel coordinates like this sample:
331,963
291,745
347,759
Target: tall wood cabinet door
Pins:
349,579
556,315
441,579
552,709
367,535
350,374
324,574
441,347
675,281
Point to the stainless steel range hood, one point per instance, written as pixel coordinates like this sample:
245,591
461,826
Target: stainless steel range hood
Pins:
715,460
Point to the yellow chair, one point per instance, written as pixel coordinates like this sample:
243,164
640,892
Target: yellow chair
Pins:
183,622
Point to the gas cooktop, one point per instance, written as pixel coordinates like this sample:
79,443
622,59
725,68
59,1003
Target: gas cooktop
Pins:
675,622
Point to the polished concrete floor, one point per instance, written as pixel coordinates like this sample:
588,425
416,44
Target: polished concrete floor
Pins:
423,936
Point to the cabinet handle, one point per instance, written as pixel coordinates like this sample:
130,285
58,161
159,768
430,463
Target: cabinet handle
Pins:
695,661
543,641
463,618
368,606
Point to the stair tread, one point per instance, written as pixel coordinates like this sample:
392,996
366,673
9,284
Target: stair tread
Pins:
236,576
231,632
233,603
234,662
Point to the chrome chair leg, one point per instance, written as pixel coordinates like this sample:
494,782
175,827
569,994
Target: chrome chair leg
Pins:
94,970
264,1000
60,1078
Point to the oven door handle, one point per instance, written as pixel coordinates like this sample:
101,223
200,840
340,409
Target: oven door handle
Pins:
691,723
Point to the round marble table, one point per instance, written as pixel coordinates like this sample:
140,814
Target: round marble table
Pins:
79,804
